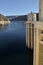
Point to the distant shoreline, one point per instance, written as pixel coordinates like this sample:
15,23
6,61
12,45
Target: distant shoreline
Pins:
17,18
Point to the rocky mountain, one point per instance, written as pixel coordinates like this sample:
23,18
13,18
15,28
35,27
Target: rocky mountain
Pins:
3,18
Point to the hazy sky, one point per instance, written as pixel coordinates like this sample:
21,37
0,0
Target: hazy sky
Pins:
18,7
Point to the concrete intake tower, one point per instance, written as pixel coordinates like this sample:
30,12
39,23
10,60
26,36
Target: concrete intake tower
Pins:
34,34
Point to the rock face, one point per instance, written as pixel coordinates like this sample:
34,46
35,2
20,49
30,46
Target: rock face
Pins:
4,19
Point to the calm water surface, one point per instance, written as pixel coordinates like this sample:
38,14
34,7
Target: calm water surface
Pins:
13,44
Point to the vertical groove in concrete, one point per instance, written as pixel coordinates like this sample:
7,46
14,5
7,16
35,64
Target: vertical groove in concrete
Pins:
34,53
26,35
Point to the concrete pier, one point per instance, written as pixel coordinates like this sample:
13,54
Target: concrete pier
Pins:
30,30
29,34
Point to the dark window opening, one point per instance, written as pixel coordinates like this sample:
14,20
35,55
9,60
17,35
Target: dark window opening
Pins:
42,31
42,40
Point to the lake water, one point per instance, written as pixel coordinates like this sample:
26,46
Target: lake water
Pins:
13,45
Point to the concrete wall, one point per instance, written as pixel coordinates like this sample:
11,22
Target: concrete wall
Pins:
29,34
30,31
33,40
29,17
32,17
41,10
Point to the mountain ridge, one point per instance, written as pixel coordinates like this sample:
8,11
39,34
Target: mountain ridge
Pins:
17,18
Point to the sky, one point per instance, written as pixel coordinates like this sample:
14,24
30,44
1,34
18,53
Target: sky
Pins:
18,7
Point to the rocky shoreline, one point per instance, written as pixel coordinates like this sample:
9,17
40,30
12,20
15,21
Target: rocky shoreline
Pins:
4,22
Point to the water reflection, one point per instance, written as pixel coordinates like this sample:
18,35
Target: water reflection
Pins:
12,38
13,44
2,27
